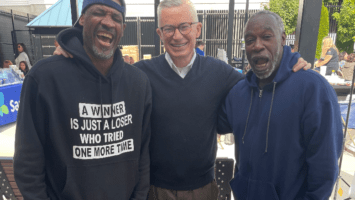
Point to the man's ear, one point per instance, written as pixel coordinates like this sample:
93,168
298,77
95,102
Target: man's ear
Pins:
160,33
283,37
81,20
198,28
123,28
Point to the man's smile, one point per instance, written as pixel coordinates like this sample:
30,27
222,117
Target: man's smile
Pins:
260,62
104,38
178,45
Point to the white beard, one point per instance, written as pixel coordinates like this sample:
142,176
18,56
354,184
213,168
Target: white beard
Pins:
102,55
273,65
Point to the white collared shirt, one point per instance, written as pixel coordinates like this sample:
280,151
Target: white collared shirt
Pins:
182,72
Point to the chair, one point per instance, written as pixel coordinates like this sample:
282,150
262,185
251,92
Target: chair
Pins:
8,186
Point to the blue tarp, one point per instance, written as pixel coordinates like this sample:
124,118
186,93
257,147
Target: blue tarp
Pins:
58,15
344,112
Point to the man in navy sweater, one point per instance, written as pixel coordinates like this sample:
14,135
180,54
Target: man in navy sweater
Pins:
188,90
289,130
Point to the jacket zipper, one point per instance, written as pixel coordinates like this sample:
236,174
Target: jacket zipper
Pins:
260,93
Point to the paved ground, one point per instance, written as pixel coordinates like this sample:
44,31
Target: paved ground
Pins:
7,140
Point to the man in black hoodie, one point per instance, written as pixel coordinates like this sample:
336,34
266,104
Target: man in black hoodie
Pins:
84,123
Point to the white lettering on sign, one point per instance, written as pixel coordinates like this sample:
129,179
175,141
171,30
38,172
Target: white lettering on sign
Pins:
14,105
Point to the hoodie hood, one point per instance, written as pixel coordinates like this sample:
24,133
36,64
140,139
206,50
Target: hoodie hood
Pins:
71,40
288,60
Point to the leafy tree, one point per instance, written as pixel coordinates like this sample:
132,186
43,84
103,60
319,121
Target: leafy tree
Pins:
346,26
323,29
330,1
288,11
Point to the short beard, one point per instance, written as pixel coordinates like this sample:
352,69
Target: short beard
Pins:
273,65
102,55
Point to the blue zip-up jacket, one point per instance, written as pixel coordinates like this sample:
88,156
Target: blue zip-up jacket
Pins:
288,135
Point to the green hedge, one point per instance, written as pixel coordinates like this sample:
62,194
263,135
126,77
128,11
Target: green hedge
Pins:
346,26
287,10
323,29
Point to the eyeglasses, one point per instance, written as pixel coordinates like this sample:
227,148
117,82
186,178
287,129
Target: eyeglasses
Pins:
19,46
184,28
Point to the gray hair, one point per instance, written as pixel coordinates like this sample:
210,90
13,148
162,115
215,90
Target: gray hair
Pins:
277,18
176,3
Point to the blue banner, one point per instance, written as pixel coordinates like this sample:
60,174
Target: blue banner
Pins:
344,112
9,103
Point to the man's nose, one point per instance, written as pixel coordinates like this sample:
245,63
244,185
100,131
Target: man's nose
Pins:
177,34
258,46
108,21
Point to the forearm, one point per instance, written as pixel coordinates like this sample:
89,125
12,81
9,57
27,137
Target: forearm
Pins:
324,61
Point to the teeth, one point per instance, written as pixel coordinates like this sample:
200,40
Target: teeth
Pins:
105,35
179,45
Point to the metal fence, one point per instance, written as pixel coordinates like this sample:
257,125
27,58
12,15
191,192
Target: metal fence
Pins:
332,8
139,31
215,30
15,24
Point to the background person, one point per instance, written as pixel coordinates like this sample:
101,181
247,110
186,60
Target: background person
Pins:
24,67
329,56
22,55
343,56
126,59
199,48
131,60
7,64
348,69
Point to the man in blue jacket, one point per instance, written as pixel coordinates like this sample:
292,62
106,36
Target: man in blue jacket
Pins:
289,136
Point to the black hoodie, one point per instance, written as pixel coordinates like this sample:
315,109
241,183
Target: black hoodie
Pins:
65,148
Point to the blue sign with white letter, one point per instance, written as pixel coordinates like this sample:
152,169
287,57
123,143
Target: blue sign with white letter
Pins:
9,103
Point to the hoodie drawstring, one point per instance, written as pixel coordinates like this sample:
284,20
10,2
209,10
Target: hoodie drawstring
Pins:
246,125
102,110
268,123
111,97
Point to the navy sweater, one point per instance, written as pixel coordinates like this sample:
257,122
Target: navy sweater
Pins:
65,148
184,120
289,135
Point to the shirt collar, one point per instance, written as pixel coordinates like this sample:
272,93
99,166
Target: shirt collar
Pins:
183,72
